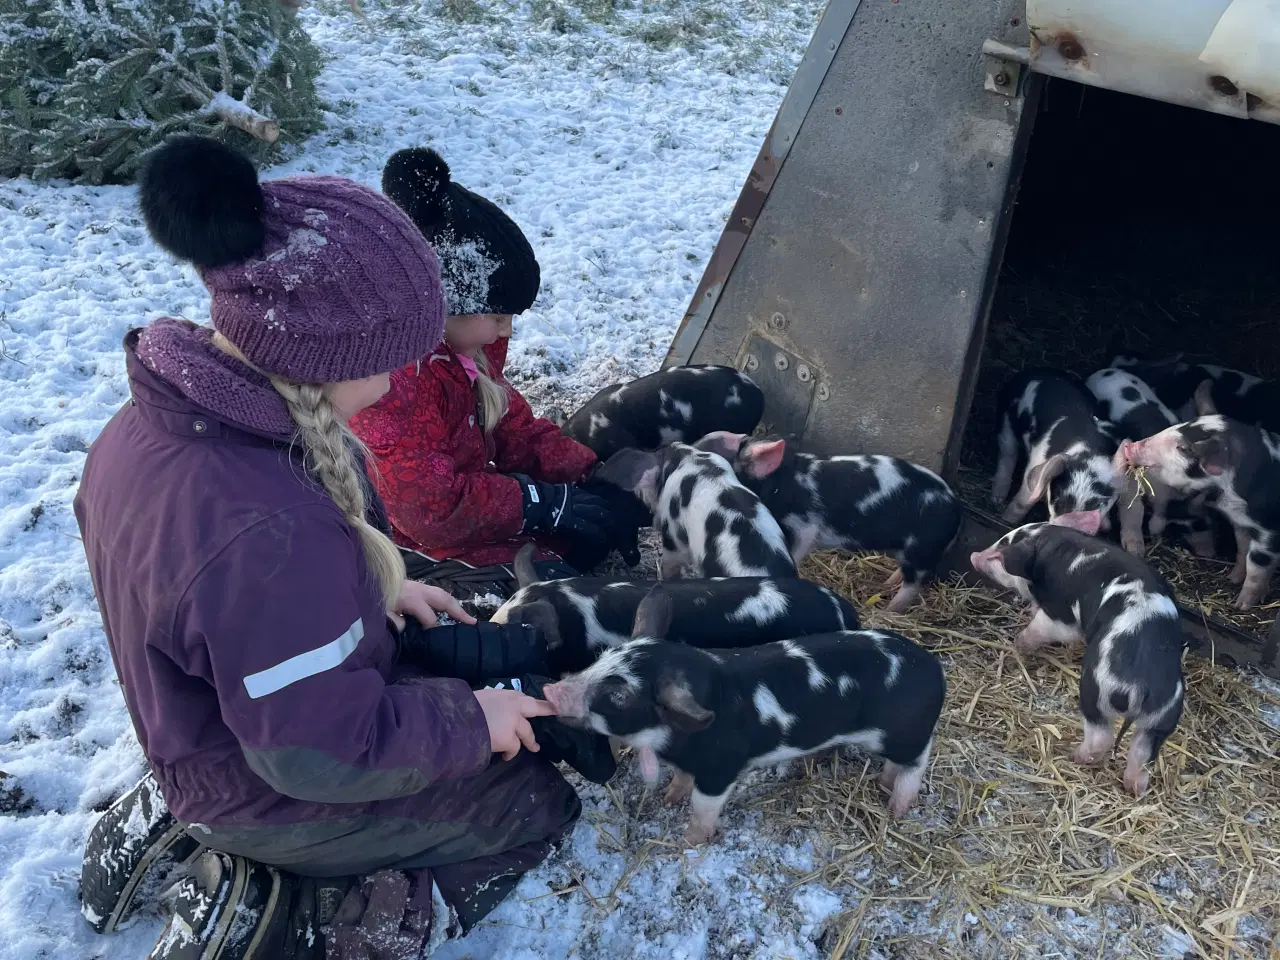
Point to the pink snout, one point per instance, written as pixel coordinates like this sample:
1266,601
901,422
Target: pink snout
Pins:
1132,453
566,698
983,560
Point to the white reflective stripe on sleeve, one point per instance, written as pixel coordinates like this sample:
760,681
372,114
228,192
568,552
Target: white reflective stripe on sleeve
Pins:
304,664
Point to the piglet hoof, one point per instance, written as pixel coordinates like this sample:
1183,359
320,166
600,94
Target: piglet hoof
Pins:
698,834
1027,643
1134,545
900,803
679,789
1086,757
1247,600
1136,782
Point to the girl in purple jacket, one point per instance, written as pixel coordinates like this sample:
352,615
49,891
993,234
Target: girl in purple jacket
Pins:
326,780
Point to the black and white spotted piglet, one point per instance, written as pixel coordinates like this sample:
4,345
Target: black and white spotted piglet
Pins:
708,520
1202,389
1130,410
676,405
1236,467
714,714
1083,588
866,502
581,617
1048,418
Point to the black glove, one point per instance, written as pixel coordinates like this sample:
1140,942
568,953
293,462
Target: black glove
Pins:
627,514
564,508
586,751
472,652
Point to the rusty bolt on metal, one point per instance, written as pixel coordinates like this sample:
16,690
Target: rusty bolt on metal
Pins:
753,363
780,361
1002,79
803,373
777,321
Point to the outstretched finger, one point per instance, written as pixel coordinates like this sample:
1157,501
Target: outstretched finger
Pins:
529,707
453,607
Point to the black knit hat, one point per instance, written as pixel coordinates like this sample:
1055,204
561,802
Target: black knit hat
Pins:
486,264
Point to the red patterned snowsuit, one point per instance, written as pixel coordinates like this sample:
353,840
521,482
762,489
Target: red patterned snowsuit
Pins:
442,477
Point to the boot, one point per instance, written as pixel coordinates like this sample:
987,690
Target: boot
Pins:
129,855
585,750
230,908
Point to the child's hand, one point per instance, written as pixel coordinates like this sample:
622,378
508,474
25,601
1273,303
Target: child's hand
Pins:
421,602
508,713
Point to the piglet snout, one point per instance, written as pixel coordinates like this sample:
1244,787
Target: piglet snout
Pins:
980,560
566,700
1129,455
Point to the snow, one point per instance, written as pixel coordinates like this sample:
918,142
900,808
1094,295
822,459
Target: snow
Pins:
619,144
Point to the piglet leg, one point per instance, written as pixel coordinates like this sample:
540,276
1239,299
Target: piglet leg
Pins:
648,766
1160,497
670,565
1136,779
906,595
679,789
1239,571
1258,566
1042,631
706,816
1131,511
904,782
1098,740
1008,460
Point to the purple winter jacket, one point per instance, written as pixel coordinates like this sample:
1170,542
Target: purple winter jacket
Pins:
246,628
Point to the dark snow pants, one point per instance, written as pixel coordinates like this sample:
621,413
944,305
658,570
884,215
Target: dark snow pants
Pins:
477,835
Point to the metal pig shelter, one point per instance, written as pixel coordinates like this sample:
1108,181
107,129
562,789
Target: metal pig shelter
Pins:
953,191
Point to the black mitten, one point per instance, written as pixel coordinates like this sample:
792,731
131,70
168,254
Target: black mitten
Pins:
586,751
472,652
564,508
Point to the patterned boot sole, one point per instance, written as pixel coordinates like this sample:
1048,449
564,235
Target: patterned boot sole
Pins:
130,853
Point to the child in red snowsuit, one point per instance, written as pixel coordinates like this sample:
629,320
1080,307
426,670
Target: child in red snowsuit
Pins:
467,472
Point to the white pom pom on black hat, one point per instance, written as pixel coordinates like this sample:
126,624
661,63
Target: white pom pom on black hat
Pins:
201,201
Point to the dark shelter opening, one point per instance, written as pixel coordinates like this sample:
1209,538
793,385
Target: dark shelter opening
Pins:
1146,229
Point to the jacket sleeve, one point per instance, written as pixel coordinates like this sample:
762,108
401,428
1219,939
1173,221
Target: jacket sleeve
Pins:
427,497
527,444
284,624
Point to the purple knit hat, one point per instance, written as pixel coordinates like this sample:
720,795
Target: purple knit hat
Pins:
317,279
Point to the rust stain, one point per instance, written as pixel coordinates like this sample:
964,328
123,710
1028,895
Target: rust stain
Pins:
1224,86
1070,48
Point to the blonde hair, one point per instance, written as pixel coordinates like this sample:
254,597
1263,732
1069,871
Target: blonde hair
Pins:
331,449
494,399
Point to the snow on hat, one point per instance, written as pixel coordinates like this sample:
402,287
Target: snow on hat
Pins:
314,278
486,264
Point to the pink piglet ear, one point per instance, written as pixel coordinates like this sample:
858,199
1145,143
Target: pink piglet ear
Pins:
766,457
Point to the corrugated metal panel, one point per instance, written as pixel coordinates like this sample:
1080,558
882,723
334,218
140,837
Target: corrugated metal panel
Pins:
1217,55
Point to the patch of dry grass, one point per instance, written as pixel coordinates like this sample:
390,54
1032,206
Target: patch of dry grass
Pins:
1008,820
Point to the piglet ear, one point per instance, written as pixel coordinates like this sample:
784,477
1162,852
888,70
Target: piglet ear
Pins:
1203,399
764,458
1019,557
1040,477
541,615
1086,521
722,442
631,469
1213,454
653,616
679,710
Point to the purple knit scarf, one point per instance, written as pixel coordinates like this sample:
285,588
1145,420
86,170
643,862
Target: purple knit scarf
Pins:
182,353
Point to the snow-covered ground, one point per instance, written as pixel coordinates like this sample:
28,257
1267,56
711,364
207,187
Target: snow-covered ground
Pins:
618,133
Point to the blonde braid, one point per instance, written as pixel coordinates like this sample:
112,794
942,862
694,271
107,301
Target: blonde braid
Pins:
494,399
330,448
